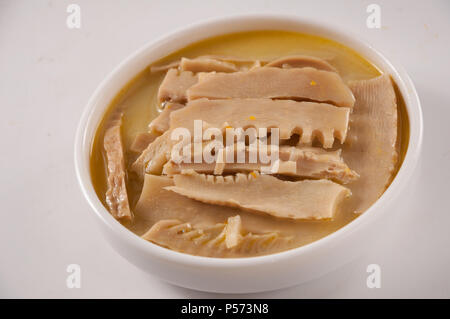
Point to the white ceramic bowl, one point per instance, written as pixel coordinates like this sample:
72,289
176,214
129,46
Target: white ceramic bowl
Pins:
253,274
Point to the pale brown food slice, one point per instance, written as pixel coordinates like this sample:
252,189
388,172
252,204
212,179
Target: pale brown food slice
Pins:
213,241
307,199
116,194
161,123
371,145
301,61
304,161
243,63
204,64
175,84
230,233
308,119
232,59
142,140
233,231
157,154
156,204
165,67
153,158
274,83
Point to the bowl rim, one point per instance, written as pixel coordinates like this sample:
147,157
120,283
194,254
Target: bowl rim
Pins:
83,144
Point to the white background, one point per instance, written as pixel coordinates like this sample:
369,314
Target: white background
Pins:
48,72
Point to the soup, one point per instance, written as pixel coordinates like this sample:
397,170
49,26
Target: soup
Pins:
320,130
